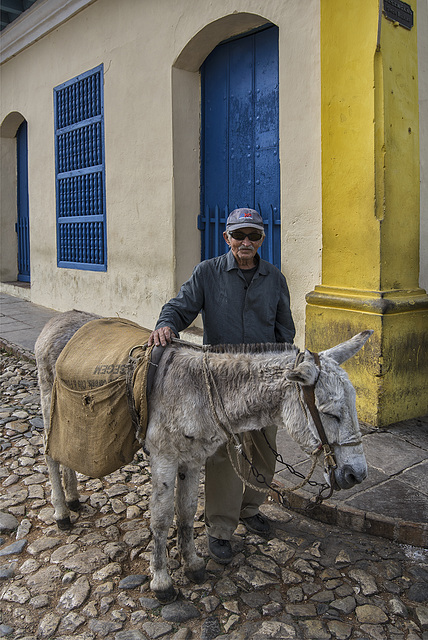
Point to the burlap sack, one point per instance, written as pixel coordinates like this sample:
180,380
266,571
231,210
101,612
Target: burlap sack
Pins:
91,428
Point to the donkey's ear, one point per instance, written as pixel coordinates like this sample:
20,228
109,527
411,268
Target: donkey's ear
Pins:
346,350
306,372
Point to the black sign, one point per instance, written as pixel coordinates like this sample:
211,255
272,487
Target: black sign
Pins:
399,12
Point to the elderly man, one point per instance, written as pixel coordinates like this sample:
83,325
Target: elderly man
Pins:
243,299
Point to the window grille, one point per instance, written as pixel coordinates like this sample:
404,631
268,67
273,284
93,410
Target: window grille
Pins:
80,172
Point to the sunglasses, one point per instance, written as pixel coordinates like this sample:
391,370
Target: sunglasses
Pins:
254,236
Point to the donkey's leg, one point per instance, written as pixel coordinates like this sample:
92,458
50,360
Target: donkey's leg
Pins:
61,511
162,512
70,487
186,504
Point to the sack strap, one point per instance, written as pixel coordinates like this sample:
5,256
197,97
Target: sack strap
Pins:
152,356
131,365
155,357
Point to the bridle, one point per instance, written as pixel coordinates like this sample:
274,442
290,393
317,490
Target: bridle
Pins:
308,392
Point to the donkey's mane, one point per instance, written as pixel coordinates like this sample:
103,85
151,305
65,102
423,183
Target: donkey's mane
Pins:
264,347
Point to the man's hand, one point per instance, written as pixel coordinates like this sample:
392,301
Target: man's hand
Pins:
161,336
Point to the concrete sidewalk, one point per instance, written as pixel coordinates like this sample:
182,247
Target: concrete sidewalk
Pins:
392,502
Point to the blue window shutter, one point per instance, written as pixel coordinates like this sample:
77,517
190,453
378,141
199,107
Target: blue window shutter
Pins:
80,172
240,139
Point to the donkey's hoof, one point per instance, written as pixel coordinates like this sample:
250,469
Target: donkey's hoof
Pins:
74,505
197,576
167,596
64,524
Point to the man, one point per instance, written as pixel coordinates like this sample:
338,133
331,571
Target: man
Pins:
243,299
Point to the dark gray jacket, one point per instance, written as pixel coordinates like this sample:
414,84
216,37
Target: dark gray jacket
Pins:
232,312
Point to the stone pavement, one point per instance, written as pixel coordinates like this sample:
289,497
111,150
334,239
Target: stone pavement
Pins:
392,502
306,581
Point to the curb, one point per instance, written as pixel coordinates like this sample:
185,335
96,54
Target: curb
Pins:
14,350
402,531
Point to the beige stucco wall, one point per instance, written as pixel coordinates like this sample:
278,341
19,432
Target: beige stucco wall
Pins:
422,8
151,52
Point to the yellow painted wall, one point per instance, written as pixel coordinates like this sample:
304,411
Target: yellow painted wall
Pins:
422,9
350,229
371,215
400,218
371,219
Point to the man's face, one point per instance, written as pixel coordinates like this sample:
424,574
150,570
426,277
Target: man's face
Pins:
244,250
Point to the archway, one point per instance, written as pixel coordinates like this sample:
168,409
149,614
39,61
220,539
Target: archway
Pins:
8,188
186,94
240,139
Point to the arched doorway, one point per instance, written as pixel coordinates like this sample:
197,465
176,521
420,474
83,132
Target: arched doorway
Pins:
240,139
23,217
186,92
14,257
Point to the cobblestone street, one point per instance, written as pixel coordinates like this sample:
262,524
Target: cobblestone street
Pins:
308,581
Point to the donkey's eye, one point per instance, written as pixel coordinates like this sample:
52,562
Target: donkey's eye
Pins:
332,415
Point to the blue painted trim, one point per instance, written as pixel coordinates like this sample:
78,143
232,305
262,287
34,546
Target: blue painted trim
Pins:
23,207
251,32
72,219
82,266
240,139
79,125
80,172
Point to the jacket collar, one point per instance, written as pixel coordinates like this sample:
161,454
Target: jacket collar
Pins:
232,264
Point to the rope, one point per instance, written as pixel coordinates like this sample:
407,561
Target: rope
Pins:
238,473
301,401
210,383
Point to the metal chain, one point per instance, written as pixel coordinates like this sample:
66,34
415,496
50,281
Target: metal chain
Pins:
210,384
260,478
282,498
305,479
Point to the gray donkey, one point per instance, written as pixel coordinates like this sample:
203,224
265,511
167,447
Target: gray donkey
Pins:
188,421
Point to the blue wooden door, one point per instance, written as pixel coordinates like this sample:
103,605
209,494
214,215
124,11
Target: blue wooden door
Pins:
240,139
22,225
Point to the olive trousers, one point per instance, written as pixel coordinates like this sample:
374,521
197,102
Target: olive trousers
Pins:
226,497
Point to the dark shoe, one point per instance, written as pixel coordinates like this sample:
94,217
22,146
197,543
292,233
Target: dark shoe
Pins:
220,550
257,524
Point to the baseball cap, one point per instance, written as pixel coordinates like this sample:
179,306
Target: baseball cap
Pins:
240,218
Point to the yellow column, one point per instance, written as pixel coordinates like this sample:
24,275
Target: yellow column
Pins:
370,199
